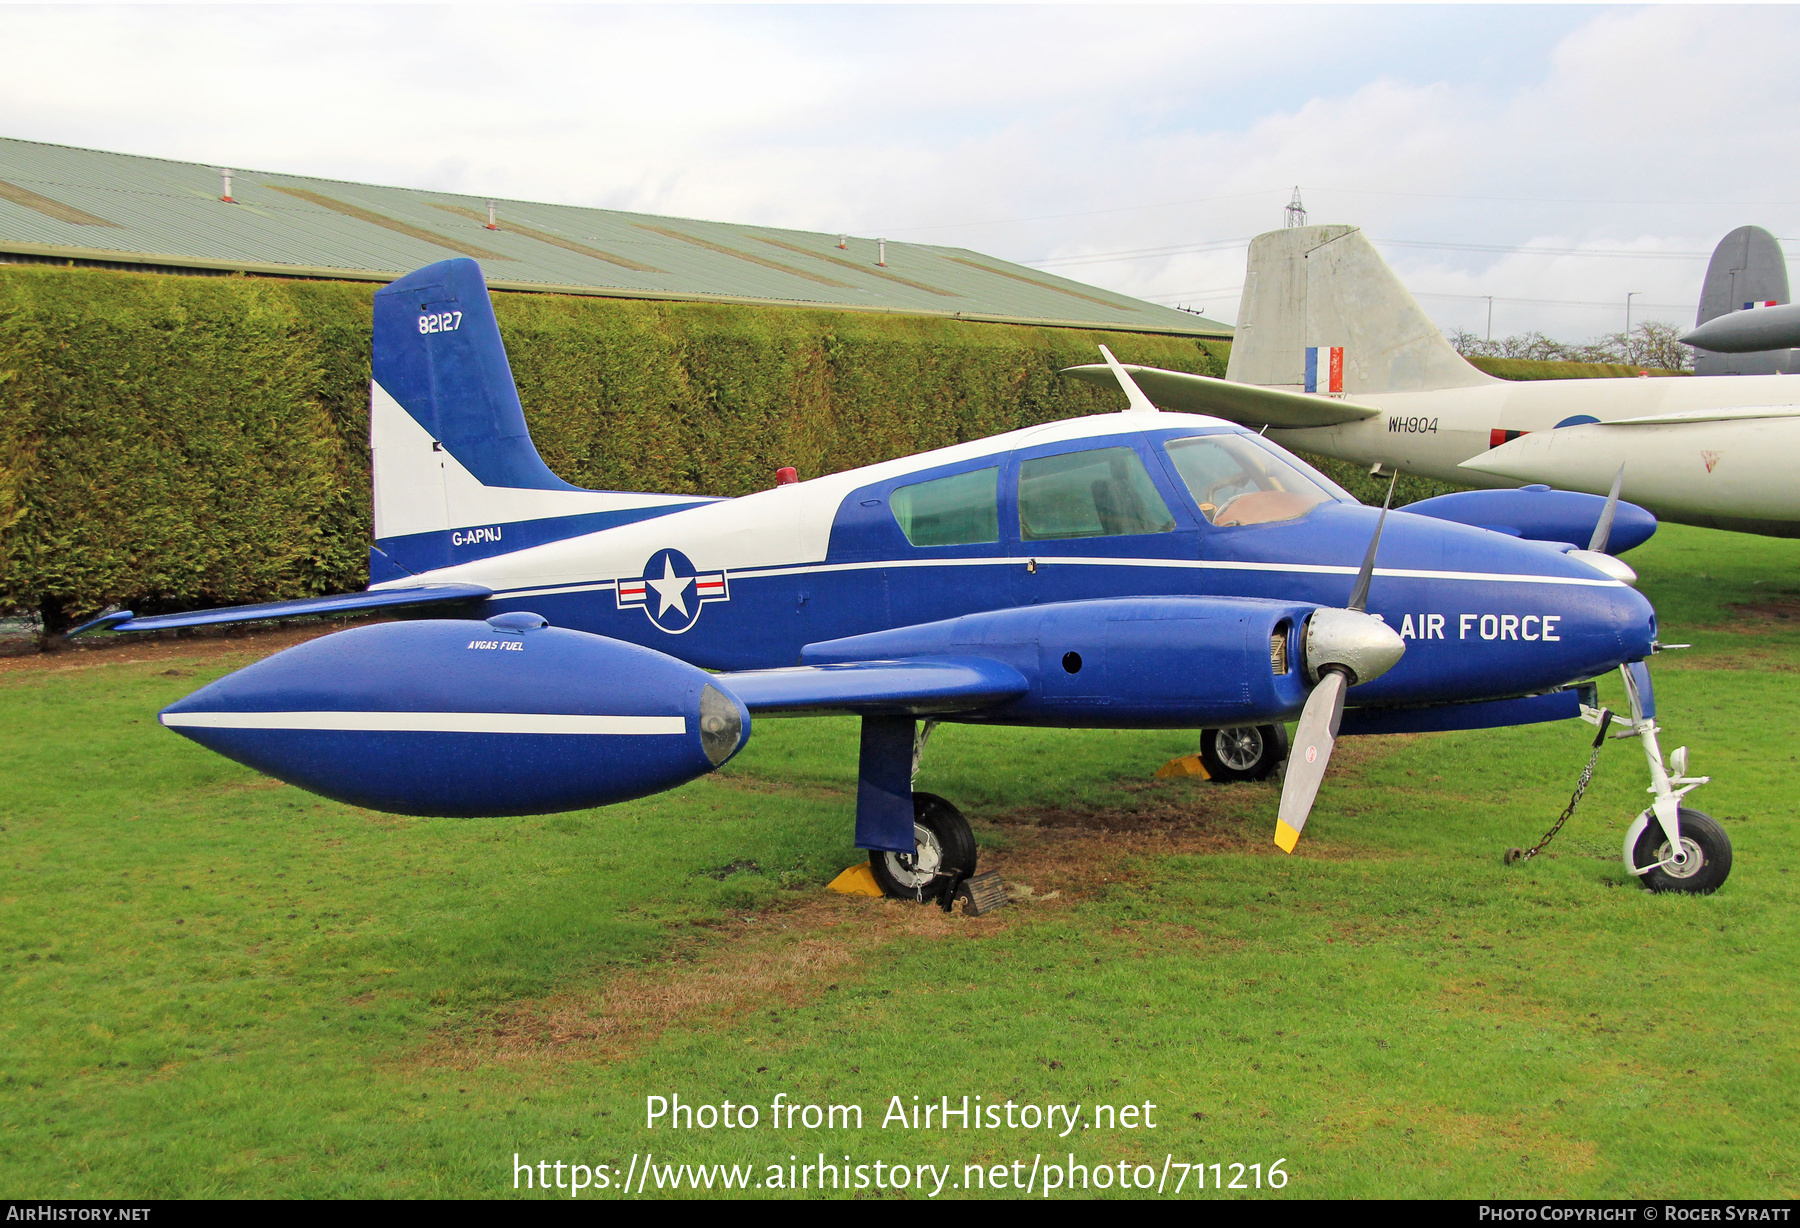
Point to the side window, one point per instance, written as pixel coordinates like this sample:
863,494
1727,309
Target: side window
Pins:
1102,493
961,510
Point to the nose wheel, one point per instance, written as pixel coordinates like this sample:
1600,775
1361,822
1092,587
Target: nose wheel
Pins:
1669,847
1701,866
944,854
1246,752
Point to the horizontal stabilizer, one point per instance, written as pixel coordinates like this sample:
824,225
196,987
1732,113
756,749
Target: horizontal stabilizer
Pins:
919,686
339,603
1247,404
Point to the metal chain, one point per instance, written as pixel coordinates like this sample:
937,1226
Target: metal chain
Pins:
1587,776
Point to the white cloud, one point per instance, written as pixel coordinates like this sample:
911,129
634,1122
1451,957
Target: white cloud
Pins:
915,121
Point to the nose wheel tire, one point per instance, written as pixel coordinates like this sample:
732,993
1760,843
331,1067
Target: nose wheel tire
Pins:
1706,856
1247,752
944,854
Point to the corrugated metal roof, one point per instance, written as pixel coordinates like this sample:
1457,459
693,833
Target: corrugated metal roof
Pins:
60,202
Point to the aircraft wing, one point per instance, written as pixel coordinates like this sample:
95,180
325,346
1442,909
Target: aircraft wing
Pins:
1585,457
339,603
917,686
1735,413
1249,404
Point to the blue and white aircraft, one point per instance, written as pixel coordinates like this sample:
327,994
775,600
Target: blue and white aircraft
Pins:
1128,570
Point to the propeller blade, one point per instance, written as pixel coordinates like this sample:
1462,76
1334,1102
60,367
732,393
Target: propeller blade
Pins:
1359,596
1603,530
1133,393
1314,739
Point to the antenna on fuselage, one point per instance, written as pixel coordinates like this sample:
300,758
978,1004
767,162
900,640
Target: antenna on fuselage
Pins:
1133,394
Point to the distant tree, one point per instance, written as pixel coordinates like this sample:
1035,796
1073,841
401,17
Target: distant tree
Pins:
1649,345
1469,345
1655,344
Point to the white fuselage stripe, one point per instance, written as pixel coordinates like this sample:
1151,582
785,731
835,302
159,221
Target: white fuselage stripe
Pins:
432,722
1320,569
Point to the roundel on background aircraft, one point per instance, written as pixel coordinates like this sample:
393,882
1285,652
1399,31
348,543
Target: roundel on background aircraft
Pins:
672,591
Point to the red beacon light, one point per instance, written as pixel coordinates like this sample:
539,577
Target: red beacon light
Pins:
787,475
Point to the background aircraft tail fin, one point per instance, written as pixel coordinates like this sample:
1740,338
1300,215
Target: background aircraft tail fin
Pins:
456,476
1747,271
1323,313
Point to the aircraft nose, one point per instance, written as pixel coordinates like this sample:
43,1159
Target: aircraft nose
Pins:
1634,622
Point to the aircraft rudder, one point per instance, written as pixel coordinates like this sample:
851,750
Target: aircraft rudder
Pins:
436,351
1748,270
1321,298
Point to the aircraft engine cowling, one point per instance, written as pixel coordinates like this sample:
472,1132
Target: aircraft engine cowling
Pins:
1131,662
1538,513
455,717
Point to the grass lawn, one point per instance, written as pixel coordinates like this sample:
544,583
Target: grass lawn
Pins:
212,984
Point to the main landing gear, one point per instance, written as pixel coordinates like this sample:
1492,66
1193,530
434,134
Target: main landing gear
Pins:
1248,752
944,856
1668,847
930,858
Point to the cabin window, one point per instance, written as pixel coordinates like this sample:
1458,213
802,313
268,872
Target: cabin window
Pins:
1102,493
960,510
1236,481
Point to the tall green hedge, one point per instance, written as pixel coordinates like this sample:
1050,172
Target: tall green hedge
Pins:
170,441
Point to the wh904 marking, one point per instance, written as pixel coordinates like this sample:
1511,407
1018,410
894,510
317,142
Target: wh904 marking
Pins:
440,322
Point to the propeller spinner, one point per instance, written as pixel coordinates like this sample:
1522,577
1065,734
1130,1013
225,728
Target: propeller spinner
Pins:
1342,648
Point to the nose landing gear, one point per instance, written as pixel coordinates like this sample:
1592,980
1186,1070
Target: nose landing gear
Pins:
1668,847
1700,867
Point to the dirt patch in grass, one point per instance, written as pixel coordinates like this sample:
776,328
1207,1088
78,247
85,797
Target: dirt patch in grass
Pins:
793,953
1208,815
779,956
1777,608
1778,611
758,784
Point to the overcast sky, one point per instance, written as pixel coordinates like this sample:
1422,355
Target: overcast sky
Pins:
1037,133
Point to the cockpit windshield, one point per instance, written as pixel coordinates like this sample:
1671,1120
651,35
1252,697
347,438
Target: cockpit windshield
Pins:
1238,480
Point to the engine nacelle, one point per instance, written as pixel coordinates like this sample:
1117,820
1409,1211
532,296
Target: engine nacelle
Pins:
1538,513
1183,662
469,718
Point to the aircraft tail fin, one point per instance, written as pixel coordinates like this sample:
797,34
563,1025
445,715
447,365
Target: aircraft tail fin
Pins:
456,476
1323,313
1747,271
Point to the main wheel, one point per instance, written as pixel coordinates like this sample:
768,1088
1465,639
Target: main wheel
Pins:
945,853
1248,752
1707,860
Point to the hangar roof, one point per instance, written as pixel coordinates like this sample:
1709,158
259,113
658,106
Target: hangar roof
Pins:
59,203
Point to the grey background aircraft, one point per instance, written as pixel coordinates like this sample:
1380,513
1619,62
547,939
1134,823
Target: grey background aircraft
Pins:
1746,325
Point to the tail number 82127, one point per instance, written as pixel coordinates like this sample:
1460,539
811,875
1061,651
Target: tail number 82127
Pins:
440,322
